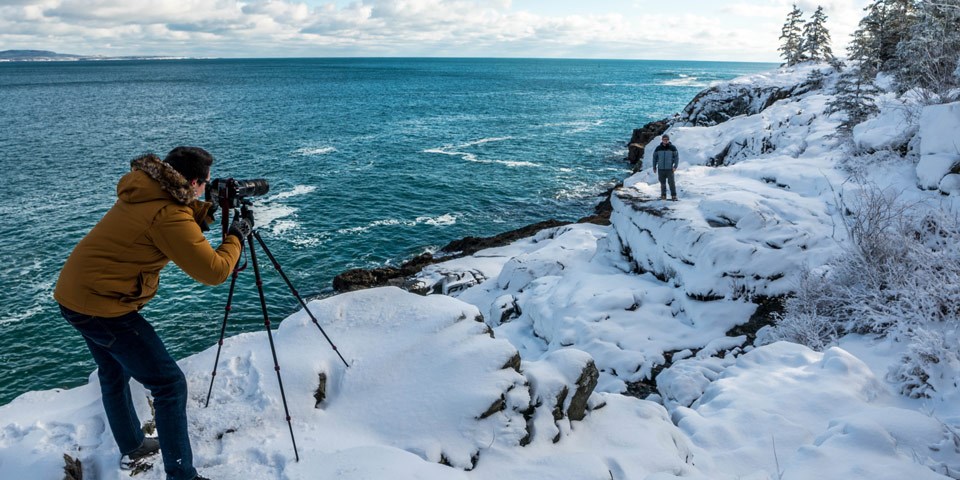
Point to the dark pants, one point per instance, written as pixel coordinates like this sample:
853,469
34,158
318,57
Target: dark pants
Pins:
125,347
666,176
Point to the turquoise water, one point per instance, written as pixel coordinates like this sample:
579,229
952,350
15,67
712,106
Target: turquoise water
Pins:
370,161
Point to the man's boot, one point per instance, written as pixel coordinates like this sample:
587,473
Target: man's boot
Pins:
141,459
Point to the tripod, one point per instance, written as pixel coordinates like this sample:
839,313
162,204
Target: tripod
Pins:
246,213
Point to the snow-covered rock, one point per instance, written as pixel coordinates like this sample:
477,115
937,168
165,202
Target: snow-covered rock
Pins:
939,145
568,288
789,412
748,95
891,129
428,386
745,229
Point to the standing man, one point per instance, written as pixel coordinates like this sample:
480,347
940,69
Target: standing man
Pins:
665,160
115,270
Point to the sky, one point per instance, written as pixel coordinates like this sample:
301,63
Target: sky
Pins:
740,30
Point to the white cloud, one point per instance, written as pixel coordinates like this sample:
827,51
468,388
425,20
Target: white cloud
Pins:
742,31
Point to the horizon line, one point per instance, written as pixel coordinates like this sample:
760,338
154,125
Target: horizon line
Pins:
82,57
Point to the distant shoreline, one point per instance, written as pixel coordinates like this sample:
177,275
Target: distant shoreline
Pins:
48,56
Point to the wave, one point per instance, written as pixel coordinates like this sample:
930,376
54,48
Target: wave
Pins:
438,221
442,220
297,191
270,214
578,126
453,150
314,151
685,81
18,317
484,140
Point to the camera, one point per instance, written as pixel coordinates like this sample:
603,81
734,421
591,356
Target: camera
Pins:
230,193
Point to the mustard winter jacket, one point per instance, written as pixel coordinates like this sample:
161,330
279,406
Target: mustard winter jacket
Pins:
115,269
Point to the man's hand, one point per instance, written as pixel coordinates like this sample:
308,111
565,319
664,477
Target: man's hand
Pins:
242,226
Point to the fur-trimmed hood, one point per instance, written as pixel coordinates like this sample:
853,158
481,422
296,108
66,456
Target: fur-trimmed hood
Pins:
132,187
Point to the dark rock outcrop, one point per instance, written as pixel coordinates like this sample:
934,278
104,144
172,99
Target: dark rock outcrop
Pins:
360,278
72,468
641,137
718,104
470,245
584,387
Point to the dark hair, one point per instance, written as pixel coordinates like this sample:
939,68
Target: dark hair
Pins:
192,162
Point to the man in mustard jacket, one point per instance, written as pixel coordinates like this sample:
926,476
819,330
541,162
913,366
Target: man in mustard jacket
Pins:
115,270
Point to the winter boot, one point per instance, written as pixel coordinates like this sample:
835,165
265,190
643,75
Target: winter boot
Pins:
674,198
141,459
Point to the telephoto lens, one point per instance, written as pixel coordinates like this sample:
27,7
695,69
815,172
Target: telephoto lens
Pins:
252,188
232,191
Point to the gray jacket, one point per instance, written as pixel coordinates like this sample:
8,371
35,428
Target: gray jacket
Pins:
665,157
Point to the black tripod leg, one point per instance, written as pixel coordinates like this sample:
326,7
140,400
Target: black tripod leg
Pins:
296,294
273,350
223,329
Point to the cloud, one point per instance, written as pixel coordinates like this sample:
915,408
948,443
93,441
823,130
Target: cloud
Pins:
395,28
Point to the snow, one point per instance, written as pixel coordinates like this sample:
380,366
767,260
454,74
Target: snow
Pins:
492,375
939,146
893,127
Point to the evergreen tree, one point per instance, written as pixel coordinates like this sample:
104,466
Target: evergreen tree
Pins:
855,97
816,38
874,44
928,58
791,36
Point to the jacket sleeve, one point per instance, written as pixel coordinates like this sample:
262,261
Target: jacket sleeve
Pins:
178,236
676,158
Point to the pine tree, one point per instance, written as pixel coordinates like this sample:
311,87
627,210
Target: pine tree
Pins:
874,44
816,38
791,35
855,97
929,56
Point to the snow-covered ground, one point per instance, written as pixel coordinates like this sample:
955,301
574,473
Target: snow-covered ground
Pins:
518,371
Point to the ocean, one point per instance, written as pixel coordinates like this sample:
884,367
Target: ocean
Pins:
370,161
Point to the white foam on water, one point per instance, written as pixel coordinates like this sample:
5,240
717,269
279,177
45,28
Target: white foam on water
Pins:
315,151
685,81
297,191
309,240
279,227
453,150
18,317
484,140
438,221
516,163
577,126
473,158
265,214
442,220
580,191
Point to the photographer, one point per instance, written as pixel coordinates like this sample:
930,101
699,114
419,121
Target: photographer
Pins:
115,270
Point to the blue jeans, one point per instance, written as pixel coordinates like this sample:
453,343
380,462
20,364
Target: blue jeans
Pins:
128,347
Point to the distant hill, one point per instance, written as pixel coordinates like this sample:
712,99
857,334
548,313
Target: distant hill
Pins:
35,55
48,56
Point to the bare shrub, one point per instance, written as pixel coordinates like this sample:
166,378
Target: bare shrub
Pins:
899,277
